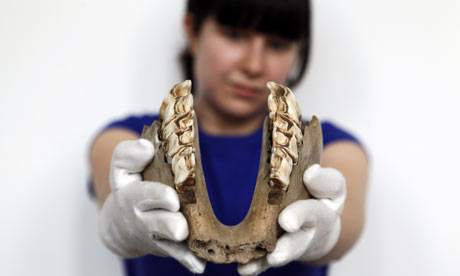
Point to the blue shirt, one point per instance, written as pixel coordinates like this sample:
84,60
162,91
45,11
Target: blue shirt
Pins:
230,165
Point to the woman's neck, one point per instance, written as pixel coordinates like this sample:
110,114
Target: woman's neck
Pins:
216,122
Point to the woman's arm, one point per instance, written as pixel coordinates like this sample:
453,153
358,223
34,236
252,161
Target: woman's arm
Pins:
350,159
101,156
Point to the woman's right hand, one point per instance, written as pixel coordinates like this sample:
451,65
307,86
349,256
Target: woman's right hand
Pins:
142,217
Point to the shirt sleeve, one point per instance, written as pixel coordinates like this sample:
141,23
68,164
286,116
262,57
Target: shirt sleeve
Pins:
333,133
133,123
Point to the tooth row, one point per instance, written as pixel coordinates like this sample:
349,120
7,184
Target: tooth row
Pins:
177,133
285,119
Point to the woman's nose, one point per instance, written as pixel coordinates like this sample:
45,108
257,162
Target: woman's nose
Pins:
253,63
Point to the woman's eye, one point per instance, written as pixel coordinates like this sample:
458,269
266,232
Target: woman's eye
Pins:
232,33
279,45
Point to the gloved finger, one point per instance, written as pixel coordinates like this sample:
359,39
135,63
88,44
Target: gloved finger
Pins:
183,254
290,246
162,224
109,232
328,184
254,267
309,213
322,248
147,195
129,158
133,155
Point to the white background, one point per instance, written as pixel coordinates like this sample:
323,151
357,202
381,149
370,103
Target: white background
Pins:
386,70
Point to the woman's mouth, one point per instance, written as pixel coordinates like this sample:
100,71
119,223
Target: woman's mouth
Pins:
245,91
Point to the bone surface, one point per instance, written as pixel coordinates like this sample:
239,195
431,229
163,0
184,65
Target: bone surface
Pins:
288,148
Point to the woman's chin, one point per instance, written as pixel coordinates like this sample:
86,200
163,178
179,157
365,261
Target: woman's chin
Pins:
245,111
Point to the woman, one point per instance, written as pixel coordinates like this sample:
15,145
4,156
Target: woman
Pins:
235,48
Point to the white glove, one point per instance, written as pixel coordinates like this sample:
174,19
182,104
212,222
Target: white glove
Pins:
312,225
142,217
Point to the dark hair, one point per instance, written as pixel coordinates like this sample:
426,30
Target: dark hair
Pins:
289,19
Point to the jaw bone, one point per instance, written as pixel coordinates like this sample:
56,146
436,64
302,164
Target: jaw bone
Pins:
288,148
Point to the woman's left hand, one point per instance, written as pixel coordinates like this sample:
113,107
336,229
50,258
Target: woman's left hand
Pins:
312,226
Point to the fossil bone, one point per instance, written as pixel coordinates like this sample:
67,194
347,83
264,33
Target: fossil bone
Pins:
288,148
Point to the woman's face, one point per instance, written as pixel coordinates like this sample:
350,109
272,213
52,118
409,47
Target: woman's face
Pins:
232,67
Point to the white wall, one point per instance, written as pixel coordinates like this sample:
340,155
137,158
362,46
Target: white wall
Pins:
386,70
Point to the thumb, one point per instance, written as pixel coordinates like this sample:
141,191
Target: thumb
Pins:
129,158
182,254
133,155
327,184
253,267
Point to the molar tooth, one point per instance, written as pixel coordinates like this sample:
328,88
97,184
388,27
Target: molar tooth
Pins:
164,105
286,134
190,162
182,89
183,104
272,104
293,152
280,138
177,116
282,174
187,120
271,85
180,170
168,112
168,130
293,107
186,138
172,146
275,162
279,123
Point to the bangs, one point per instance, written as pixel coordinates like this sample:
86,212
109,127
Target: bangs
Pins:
288,19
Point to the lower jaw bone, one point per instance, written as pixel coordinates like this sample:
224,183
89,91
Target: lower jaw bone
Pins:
257,234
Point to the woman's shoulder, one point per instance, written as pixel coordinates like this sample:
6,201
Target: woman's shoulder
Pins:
332,132
133,123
